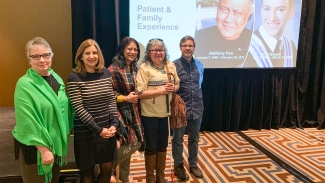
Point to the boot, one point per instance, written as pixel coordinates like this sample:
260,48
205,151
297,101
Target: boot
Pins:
320,124
150,163
161,164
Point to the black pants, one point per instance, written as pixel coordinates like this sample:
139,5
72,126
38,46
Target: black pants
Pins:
155,134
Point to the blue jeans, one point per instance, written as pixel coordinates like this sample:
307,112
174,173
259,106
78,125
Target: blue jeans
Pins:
192,129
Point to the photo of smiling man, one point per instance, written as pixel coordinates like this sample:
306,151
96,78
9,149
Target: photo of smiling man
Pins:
226,44
269,46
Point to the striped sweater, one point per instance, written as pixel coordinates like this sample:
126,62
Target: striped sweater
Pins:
94,103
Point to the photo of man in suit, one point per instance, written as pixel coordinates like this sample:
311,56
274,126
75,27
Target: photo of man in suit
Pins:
269,46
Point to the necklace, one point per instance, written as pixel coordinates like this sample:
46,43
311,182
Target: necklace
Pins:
162,70
48,79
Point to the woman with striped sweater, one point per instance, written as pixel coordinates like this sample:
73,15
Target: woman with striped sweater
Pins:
92,97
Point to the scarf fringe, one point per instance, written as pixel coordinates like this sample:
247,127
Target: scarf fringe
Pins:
47,176
60,160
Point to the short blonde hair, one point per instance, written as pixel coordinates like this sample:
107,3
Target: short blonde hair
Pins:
80,67
39,42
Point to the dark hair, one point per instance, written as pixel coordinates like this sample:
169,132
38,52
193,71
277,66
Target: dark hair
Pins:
185,38
152,43
119,56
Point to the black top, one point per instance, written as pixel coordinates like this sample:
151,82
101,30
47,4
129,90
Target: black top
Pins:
54,84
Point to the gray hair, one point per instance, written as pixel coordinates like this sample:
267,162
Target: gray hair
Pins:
251,2
39,42
152,43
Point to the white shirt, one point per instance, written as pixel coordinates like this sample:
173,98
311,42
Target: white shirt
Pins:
270,41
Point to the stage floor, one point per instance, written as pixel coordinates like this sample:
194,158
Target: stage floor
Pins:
284,155
8,165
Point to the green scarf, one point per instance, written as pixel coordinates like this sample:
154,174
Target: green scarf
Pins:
42,117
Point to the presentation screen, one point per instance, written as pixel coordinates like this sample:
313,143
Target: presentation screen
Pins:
227,33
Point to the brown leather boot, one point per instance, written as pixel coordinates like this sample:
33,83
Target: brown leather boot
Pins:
161,164
150,163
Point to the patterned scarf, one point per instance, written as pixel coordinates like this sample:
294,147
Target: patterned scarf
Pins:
124,81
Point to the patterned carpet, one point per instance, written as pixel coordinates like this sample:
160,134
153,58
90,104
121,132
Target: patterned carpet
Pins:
285,155
303,151
228,157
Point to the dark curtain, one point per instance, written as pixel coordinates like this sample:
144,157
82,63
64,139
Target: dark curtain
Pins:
311,61
234,99
239,99
96,19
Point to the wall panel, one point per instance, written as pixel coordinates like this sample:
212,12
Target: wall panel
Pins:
19,22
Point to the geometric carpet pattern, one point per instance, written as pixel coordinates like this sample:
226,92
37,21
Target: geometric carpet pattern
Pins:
226,157
252,156
302,150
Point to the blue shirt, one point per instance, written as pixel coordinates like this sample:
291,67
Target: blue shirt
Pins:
191,76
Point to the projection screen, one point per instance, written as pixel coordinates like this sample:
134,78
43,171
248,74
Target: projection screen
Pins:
228,33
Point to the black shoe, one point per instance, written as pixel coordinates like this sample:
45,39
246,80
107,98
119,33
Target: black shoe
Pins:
196,171
180,172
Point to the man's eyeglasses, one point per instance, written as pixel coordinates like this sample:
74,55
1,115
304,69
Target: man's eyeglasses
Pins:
37,57
187,45
157,51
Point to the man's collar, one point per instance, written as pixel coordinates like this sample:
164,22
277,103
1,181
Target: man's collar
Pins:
184,60
269,40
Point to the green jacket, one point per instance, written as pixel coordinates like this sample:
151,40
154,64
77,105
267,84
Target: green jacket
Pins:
42,117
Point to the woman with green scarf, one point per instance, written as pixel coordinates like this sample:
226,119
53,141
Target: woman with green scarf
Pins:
43,117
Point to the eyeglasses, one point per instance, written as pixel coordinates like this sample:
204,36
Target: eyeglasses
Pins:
156,39
37,57
157,51
187,45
